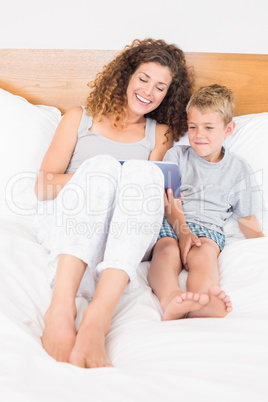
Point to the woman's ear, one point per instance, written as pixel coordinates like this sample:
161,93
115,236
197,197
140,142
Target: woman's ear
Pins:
229,129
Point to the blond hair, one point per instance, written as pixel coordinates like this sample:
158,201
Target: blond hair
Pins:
216,98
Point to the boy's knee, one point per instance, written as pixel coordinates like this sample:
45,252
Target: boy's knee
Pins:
208,248
168,246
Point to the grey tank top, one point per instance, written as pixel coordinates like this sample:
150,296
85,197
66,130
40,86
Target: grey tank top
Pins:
90,144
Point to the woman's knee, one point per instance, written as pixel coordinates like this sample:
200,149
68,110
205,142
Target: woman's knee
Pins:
93,187
101,164
145,171
97,175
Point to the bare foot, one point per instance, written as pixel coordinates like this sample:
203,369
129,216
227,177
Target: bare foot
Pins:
219,304
89,349
180,305
59,334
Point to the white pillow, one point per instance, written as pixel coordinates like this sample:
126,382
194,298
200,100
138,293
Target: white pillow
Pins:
250,142
26,132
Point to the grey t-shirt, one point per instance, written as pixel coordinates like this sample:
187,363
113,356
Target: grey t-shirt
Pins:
90,144
213,191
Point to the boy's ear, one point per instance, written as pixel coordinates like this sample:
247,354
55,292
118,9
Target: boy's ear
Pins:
229,129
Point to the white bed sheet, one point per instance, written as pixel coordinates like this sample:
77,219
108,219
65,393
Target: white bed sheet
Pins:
188,360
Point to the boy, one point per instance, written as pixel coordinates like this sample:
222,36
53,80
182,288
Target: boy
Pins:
215,184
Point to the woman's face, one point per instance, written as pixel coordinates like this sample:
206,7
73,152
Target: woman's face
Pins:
147,88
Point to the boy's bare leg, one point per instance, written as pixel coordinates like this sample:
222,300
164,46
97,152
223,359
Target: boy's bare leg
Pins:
163,279
89,349
59,333
204,277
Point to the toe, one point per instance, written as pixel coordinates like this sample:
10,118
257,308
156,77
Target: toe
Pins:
196,296
184,296
204,299
179,299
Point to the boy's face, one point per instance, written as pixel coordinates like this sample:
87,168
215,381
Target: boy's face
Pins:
207,133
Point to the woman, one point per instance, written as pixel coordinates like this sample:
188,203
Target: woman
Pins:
96,234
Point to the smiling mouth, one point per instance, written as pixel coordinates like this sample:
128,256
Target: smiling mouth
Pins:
143,100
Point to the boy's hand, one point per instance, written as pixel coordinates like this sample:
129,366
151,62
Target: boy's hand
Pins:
175,216
171,202
187,239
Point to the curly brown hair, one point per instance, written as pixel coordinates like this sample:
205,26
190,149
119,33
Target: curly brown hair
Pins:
109,89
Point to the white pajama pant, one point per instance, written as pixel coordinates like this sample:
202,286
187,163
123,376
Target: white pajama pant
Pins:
108,215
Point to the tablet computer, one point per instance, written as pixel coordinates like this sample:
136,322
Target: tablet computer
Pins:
171,172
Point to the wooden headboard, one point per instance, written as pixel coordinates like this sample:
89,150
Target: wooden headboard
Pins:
59,77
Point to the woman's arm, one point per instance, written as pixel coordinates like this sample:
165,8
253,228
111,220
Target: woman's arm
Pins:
250,227
51,177
163,141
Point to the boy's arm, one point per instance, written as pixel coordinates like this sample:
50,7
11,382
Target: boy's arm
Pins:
250,227
175,216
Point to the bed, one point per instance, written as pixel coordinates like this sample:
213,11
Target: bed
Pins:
203,359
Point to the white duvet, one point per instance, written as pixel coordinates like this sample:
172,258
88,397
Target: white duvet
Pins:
203,359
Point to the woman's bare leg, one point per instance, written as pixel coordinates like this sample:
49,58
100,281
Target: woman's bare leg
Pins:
163,279
59,333
89,349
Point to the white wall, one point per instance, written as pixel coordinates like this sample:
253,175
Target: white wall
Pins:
236,26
